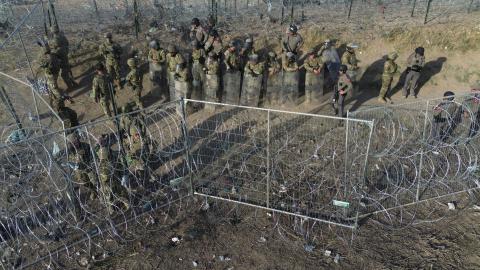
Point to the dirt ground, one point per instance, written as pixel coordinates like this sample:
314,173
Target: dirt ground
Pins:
229,237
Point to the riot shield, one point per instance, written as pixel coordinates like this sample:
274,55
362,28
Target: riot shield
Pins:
198,83
157,76
313,86
274,86
211,89
251,90
171,85
289,93
231,87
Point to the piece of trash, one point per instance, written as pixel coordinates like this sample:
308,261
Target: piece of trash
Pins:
83,261
55,149
435,153
327,253
337,258
262,239
377,167
341,204
175,240
205,206
269,214
308,248
452,206
195,264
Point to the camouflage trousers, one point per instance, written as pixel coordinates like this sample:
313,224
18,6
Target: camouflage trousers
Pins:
113,68
198,83
137,96
211,88
106,107
66,71
386,85
411,83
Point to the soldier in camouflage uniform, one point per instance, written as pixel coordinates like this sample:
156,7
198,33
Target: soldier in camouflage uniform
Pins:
313,78
214,43
137,154
134,81
157,59
101,90
111,52
182,79
111,189
253,76
344,86
232,75
330,57
79,158
471,111
292,41
444,118
60,47
197,33
389,70
349,58
290,79
274,79
415,63
246,52
198,70
51,67
212,69
173,60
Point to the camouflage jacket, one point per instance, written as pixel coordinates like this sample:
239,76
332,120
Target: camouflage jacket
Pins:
312,65
182,75
254,69
199,55
350,60
232,60
59,45
390,68
134,79
157,56
172,61
111,52
213,67
49,64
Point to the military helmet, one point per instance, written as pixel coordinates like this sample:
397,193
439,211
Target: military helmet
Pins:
392,55
108,35
293,28
172,49
253,57
195,43
195,21
248,40
131,62
343,68
154,44
272,54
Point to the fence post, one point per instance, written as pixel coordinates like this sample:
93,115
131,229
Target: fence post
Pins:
413,7
187,145
428,10
350,9
268,159
420,165
291,12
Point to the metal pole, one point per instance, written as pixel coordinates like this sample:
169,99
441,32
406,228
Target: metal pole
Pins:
413,7
350,9
420,165
291,12
428,10
346,154
187,145
268,159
